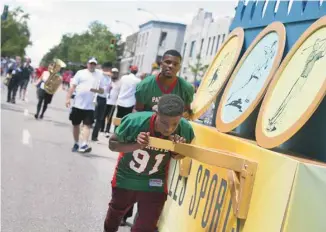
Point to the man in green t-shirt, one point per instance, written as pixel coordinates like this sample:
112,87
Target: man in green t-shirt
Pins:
141,172
150,90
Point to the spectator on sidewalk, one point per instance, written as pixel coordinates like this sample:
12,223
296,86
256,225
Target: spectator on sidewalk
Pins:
126,99
15,71
4,66
111,100
27,73
101,100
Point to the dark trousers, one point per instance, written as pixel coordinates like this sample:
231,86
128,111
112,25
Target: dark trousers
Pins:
150,206
123,111
108,115
99,115
43,99
12,89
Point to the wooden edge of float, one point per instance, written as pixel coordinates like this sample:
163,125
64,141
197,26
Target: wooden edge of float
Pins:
241,174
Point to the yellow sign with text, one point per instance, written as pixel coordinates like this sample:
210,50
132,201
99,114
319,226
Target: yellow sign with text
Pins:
202,201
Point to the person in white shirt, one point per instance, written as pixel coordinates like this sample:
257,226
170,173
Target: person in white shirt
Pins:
85,83
127,99
101,100
44,98
111,101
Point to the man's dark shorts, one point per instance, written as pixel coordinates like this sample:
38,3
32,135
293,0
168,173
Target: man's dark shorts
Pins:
78,115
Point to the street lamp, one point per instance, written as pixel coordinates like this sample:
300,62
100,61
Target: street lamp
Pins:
159,38
134,40
149,12
122,22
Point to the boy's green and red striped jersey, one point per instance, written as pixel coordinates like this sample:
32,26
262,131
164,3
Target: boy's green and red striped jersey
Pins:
144,169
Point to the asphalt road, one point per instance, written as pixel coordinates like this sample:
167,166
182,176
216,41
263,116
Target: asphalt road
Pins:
44,186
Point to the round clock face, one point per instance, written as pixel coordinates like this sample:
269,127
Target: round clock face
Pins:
297,90
251,77
218,72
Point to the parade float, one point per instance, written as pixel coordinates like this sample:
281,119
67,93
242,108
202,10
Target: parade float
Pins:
262,166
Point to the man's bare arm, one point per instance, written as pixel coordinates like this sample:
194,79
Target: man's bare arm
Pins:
70,92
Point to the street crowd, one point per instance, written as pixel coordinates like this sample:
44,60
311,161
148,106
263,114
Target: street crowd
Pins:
157,105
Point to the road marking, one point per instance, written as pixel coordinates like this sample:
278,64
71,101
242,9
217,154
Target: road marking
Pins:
26,137
26,112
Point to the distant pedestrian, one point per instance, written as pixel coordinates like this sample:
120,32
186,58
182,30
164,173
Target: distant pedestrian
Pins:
27,72
15,71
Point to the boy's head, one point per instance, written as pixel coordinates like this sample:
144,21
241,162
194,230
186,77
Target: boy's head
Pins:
169,113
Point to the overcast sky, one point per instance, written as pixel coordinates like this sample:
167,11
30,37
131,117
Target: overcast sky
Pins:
49,20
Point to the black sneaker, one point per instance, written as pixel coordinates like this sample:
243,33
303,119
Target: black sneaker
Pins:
75,148
35,116
95,139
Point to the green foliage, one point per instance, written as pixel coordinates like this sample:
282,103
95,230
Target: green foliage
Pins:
78,48
198,69
15,33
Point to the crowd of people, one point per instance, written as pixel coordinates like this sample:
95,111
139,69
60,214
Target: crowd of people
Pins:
18,75
155,105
